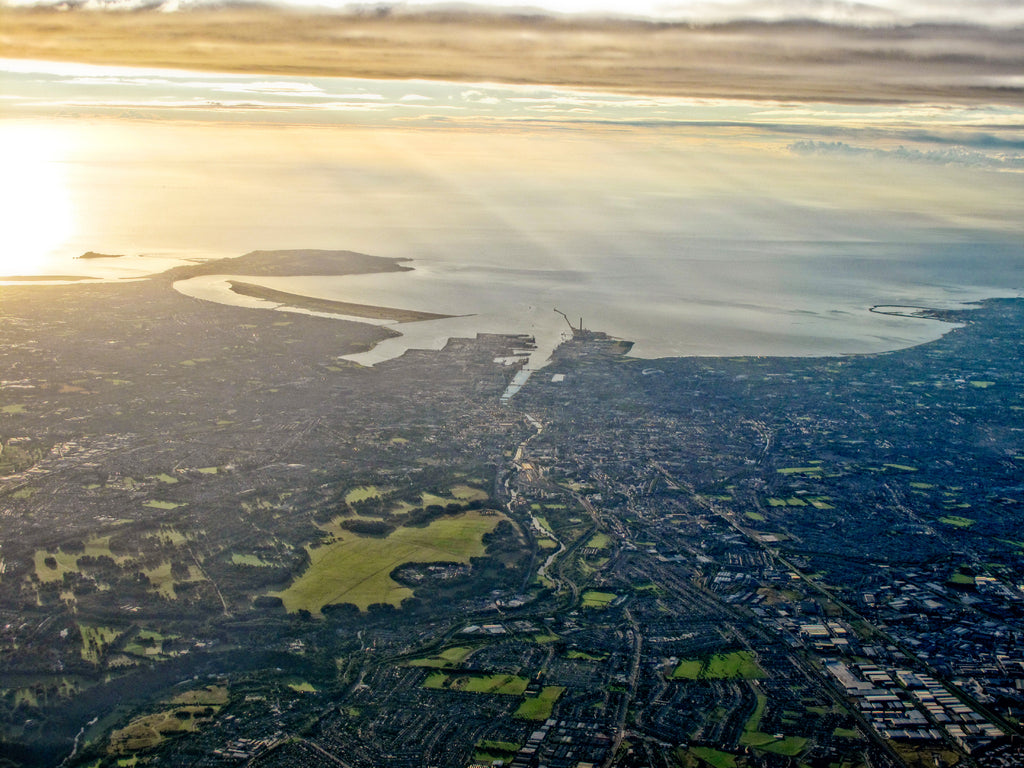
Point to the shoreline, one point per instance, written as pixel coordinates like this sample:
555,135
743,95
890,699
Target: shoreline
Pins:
314,304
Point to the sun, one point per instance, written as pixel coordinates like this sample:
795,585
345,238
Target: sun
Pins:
36,213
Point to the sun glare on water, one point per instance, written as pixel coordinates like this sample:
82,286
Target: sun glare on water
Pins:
36,214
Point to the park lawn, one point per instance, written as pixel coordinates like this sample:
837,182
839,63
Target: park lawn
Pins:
688,669
509,685
791,746
487,751
245,559
164,582
599,541
737,665
539,707
586,656
149,731
67,562
847,733
468,493
169,535
713,757
592,599
95,640
211,695
157,504
357,569
147,643
364,492
447,658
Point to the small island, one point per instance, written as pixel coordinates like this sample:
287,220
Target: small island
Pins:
95,255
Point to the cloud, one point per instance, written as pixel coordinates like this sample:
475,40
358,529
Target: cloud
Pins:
877,13
479,97
950,156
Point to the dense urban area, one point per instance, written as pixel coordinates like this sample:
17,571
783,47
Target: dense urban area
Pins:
222,544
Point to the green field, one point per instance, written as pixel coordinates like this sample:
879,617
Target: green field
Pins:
488,750
164,582
157,504
592,599
586,656
98,546
468,493
738,665
713,757
253,560
146,643
168,535
185,713
449,657
753,737
754,516
791,746
957,520
539,707
362,493
799,470
509,685
356,569
95,640
599,541
796,501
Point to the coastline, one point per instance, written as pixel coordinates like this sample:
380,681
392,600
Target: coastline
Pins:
330,305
